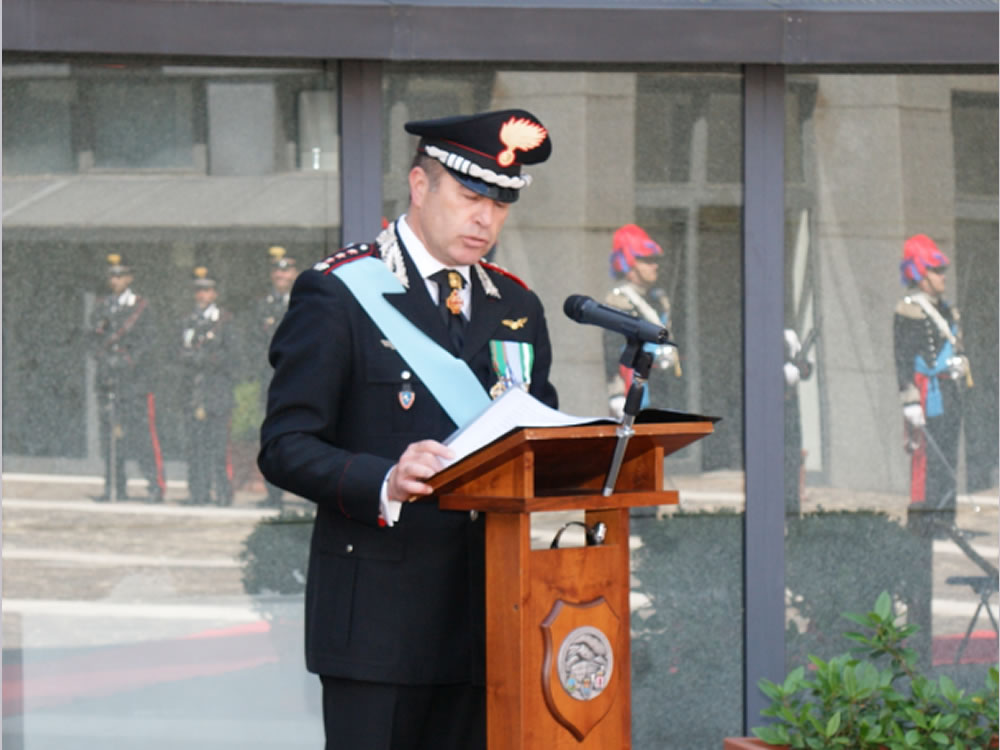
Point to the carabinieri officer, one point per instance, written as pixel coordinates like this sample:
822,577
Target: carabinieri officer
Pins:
386,348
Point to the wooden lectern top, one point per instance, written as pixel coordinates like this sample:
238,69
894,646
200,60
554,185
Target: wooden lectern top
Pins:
564,468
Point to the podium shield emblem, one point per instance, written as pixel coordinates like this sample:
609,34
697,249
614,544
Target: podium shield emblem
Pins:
579,679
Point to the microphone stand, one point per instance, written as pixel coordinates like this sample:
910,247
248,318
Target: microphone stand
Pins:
639,361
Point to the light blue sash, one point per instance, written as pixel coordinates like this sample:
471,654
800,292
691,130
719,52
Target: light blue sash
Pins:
934,406
447,377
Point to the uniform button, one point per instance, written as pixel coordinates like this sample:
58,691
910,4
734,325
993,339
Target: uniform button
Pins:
349,548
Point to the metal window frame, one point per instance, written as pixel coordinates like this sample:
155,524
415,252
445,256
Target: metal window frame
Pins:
692,31
763,389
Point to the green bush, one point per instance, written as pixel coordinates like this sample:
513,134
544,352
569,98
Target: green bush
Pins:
873,697
248,411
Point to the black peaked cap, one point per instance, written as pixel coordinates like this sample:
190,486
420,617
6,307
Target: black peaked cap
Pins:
485,151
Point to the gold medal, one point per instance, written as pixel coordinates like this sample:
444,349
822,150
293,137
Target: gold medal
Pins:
454,301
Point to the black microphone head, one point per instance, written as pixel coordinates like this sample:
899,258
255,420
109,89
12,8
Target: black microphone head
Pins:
574,304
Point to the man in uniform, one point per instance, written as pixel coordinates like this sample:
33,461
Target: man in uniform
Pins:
121,340
266,315
383,347
122,337
207,356
932,372
635,266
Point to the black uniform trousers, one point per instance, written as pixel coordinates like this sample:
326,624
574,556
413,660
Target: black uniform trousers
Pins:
135,434
378,716
208,461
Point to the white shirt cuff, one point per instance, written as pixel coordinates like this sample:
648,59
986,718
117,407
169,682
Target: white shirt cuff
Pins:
388,510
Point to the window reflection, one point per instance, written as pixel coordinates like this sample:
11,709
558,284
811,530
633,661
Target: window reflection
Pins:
662,151
871,162
114,610
143,124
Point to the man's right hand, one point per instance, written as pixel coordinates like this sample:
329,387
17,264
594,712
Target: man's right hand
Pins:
419,461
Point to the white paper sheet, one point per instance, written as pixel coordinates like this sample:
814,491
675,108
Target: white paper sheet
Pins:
513,409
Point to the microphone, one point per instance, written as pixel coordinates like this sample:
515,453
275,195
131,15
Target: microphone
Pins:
583,309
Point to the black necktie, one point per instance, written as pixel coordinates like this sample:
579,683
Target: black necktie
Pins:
450,284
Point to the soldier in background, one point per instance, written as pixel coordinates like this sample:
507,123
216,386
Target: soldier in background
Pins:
265,317
932,372
635,265
208,357
121,340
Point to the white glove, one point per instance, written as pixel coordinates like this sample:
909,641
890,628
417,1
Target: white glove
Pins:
914,415
792,344
792,375
616,405
958,367
666,356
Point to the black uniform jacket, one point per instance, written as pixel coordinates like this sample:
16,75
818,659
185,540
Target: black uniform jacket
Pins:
209,358
400,604
915,333
121,338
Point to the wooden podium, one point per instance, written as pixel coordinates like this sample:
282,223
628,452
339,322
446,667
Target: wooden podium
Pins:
557,620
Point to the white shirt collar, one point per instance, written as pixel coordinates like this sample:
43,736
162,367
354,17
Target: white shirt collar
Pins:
426,263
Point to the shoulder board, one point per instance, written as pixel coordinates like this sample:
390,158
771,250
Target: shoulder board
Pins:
346,255
502,271
616,298
907,308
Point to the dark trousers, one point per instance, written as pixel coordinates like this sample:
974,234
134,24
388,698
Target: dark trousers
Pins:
933,466
208,459
131,421
376,716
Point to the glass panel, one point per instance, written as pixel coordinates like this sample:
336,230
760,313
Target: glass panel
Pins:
143,123
660,149
132,624
877,500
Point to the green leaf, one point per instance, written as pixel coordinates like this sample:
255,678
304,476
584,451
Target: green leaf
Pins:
832,725
793,679
947,720
772,735
915,716
883,606
939,737
948,689
769,689
816,725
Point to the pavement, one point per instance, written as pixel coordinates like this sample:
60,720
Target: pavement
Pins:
128,624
